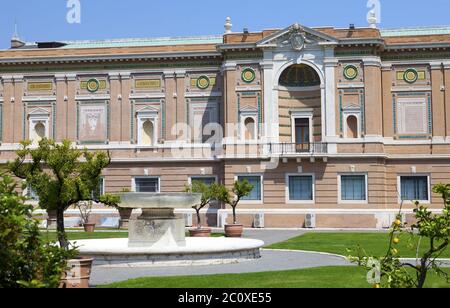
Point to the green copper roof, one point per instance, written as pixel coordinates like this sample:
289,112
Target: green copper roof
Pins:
415,31
168,41
164,41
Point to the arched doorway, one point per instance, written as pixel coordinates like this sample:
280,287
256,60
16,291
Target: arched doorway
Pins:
147,133
300,107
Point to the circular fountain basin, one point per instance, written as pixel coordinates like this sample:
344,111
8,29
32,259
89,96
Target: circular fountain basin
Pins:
198,251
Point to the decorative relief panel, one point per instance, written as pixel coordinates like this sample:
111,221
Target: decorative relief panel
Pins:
412,115
38,87
248,75
147,83
350,72
93,122
93,85
203,82
419,75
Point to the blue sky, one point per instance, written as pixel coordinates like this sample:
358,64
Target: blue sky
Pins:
45,20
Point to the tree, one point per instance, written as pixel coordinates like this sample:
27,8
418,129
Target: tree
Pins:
430,229
209,193
61,176
26,260
240,190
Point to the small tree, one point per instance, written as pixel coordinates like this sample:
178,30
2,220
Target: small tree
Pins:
241,189
209,194
61,175
26,260
432,229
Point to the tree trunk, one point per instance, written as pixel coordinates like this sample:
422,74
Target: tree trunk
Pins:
234,215
422,275
60,229
199,223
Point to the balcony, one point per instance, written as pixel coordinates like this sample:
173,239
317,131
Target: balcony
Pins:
282,149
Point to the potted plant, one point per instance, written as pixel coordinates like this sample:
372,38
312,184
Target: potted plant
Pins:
85,208
241,189
114,201
209,193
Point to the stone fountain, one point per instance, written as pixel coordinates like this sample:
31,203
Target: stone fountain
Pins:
158,238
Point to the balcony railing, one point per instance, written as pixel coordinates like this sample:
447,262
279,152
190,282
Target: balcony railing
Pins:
298,148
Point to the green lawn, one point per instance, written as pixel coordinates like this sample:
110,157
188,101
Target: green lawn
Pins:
323,277
73,236
375,244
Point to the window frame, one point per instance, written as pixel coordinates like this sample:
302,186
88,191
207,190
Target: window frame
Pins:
399,187
366,177
133,182
261,176
306,113
202,177
287,188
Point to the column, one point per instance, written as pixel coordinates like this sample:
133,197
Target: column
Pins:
61,107
115,108
8,103
18,116
386,76
328,93
230,99
438,104
125,105
447,99
267,67
71,115
373,101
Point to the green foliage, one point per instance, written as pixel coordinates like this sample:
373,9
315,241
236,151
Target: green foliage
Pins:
26,260
433,232
240,190
61,175
110,200
209,193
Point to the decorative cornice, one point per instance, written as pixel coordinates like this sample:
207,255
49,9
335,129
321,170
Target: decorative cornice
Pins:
266,65
114,76
372,61
446,65
71,77
180,73
330,62
229,66
60,77
436,65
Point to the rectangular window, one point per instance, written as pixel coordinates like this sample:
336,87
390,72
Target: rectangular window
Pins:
353,188
414,188
206,180
100,190
150,185
256,194
301,188
31,194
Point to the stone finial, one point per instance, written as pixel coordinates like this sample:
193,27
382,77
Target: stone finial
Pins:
228,25
16,42
372,19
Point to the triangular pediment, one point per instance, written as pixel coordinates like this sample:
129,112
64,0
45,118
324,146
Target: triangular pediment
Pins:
39,112
248,108
297,37
148,109
351,107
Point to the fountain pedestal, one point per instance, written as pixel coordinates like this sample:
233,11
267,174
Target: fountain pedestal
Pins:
157,227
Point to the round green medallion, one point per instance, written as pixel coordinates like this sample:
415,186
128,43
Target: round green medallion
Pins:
411,75
350,72
248,75
93,85
203,82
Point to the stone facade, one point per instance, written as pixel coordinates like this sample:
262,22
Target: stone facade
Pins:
335,126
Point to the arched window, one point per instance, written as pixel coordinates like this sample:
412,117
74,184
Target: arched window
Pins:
352,127
147,133
250,129
299,75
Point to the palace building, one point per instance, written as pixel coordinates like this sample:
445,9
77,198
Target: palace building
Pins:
335,128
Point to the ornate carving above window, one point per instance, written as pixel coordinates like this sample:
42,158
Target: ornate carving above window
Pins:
299,75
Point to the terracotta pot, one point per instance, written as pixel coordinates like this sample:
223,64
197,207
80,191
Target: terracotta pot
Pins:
125,215
234,230
89,227
77,275
203,232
